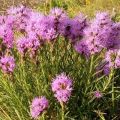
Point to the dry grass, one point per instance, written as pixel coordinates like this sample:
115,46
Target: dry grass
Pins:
72,6
4,4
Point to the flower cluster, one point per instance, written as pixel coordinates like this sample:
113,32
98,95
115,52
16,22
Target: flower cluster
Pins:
72,29
62,87
112,57
7,63
28,45
96,35
38,106
6,32
97,94
20,16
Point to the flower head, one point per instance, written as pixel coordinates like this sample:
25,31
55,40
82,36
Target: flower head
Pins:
34,22
97,94
7,63
113,58
62,87
38,106
58,13
96,34
21,15
82,48
28,45
7,36
46,29
58,16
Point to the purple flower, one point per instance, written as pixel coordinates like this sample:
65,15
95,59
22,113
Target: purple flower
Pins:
79,23
38,106
58,14
7,63
106,69
82,48
65,28
73,28
97,33
103,19
42,26
62,87
46,29
97,94
28,45
22,45
34,22
7,20
113,41
113,58
21,15
7,36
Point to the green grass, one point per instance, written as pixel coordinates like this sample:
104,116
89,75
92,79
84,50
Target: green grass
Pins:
30,80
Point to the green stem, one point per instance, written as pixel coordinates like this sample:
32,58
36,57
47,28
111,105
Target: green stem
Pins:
91,67
42,117
63,115
113,95
109,80
91,64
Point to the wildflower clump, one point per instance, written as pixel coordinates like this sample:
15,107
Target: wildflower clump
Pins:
38,106
7,64
62,87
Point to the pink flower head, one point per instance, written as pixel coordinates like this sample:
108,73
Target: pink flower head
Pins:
21,15
58,13
6,20
62,87
28,45
38,106
34,22
97,34
97,94
7,63
113,58
7,35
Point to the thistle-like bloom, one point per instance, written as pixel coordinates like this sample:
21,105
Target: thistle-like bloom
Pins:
7,20
38,106
6,32
28,45
82,48
7,63
113,58
113,41
58,13
59,17
106,69
42,26
97,94
79,23
96,35
73,28
62,87
34,22
22,45
21,15
46,29
65,28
